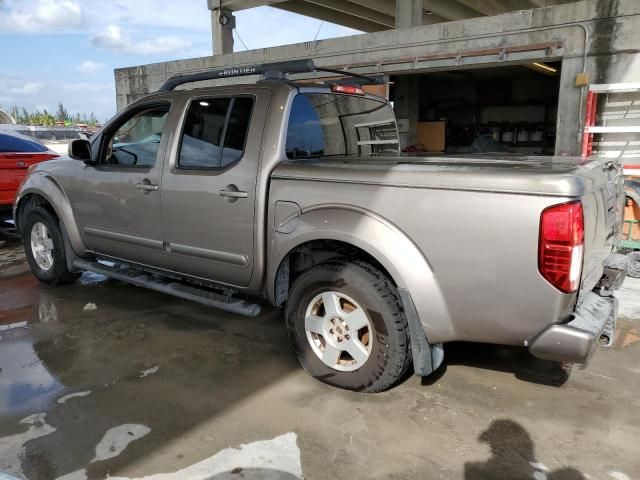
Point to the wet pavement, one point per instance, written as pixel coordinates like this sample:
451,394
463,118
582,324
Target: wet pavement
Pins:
102,379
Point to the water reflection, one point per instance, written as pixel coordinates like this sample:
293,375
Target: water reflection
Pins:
25,383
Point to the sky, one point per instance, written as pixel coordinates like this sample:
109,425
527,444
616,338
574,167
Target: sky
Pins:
66,50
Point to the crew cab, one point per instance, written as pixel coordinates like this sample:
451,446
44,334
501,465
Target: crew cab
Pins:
297,195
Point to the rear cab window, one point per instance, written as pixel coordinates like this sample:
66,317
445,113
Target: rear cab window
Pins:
215,132
324,124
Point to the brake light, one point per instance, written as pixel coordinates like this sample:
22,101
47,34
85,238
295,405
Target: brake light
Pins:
350,89
562,245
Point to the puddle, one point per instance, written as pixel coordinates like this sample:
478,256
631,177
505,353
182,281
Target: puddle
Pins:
90,278
59,359
25,383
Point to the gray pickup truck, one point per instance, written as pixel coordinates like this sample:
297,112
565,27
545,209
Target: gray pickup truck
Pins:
296,194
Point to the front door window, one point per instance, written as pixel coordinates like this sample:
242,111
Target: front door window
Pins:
135,143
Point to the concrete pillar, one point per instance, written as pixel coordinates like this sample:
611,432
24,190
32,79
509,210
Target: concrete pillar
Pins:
570,114
222,24
408,13
407,106
407,95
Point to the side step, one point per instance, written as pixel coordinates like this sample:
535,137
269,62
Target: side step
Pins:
170,286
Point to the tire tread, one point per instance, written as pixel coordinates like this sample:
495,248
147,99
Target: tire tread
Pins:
399,359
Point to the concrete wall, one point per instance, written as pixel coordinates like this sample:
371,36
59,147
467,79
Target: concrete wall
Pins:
600,37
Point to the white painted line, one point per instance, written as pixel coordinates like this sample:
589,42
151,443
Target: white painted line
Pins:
77,475
149,371
12,447
629,297
277,459
89,307
116,439
63,399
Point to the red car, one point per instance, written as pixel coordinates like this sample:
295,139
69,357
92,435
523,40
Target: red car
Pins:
17,153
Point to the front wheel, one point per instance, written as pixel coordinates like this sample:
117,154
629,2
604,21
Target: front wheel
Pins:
347,328
44,248
634,265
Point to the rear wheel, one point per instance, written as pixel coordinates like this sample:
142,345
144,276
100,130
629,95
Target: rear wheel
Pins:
347,328
44,248
634,265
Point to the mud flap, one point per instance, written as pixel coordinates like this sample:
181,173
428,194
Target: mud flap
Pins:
70,254
426,357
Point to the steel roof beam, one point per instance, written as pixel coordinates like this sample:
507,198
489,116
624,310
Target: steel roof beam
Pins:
496,7
451,10
356,10
329,15
235,5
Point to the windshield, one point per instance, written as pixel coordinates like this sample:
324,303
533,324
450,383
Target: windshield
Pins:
329,124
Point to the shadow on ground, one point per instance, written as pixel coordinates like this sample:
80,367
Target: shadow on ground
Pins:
514,360
513,457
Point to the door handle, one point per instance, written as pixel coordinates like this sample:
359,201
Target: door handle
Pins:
146,186
232,194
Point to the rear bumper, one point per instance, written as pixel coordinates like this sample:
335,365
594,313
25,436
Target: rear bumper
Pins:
574,342
593,319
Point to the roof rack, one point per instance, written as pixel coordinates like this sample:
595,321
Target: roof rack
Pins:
271,71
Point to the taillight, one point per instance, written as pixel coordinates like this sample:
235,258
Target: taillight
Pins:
350,89
562,245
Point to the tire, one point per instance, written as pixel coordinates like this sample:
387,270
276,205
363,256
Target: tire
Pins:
634,265
50,265
371,298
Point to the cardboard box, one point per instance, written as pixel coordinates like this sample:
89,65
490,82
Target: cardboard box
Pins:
432,135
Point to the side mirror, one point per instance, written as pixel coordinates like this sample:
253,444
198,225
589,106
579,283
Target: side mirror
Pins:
80,149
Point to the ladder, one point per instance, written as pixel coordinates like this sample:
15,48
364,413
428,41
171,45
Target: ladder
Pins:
630,115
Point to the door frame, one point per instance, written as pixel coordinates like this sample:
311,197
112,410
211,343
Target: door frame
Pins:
262,103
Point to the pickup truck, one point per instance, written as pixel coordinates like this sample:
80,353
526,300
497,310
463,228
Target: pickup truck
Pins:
296,194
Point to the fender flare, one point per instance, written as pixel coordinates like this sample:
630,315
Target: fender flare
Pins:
373,234
45,186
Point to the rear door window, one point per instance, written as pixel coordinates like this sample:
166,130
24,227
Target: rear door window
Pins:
215,132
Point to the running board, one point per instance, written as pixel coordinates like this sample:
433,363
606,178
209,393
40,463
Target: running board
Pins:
170,286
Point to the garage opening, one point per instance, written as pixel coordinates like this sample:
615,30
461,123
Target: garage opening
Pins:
495,109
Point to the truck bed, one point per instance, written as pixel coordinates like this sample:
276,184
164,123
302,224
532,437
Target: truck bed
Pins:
476,220
532,175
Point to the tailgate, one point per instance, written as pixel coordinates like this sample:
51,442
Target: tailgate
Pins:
603,215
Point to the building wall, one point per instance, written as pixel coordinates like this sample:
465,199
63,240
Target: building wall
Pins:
601,37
